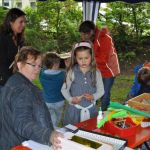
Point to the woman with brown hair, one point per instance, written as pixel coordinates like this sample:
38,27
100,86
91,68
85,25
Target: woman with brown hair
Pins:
11,40
24,114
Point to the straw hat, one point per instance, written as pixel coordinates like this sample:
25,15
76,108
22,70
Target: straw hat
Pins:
65,55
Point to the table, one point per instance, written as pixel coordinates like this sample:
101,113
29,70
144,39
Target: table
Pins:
142,135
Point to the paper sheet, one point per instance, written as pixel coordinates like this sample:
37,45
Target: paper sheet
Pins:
36,146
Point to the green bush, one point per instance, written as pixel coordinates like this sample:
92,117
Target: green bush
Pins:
3,12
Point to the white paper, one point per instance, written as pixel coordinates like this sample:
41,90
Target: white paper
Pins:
128,148
36,146
71,127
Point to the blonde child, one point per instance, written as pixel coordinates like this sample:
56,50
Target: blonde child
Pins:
83,85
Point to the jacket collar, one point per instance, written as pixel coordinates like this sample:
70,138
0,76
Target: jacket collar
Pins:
25,79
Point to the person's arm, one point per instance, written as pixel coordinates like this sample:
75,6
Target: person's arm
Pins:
104,52
66,87
99,86
3,61
3,50
136,85
24,123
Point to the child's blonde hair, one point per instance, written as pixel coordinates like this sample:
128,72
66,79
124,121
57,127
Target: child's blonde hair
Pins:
83,46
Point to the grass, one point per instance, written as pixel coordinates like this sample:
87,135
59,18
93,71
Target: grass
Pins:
119,90
37,83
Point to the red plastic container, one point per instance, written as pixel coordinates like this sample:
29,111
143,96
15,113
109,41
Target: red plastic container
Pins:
20,147
113,129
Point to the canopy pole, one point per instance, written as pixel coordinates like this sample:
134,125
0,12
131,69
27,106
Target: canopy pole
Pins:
90,10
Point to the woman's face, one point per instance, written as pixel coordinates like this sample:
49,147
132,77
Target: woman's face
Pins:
31,68
18,25
88,36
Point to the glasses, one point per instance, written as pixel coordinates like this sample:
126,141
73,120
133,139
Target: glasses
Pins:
34,66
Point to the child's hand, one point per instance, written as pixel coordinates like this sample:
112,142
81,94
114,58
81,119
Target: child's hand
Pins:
89,97
77,99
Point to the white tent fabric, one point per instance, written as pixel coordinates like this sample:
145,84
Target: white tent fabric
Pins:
90,10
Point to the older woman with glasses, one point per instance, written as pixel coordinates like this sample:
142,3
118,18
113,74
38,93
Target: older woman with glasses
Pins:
24,114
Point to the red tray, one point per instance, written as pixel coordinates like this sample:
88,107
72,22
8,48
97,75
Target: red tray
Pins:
20,147
112,128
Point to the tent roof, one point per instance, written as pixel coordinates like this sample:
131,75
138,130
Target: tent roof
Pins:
107,1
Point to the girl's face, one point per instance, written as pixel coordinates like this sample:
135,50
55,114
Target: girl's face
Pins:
31,68
18,25
67,62
83,58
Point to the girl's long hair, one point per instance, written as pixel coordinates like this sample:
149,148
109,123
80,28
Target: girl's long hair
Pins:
11,16
74,61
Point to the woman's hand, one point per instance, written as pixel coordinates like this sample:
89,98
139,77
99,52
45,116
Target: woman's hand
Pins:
54,139
77,99
89,97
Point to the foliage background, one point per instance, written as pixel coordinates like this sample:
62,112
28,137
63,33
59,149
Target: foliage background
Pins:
53,26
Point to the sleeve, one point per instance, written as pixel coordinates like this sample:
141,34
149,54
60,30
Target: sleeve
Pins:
99,86
103,52
23,119
2,51
66,86
136,85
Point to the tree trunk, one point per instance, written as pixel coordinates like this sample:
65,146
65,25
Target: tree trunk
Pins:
135,22
57,27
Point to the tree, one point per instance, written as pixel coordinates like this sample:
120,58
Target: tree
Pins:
3,12
54,24
129,23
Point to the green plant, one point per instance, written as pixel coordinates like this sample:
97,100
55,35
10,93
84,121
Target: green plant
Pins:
3,12
55,28
128,56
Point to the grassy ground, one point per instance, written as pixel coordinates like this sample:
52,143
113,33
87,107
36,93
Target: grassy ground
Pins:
120,88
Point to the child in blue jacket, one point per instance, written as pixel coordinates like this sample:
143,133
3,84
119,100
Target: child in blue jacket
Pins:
136,87
52,78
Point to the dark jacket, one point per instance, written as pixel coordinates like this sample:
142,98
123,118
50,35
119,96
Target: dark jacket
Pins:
24,114
8,50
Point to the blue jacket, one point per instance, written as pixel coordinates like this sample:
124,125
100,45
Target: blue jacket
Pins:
136,85
23,114
52,82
